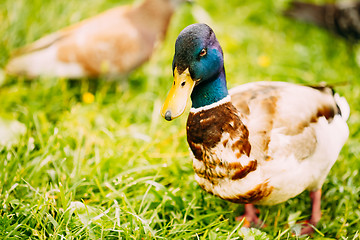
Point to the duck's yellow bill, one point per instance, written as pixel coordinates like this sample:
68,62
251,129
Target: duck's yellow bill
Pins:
178,96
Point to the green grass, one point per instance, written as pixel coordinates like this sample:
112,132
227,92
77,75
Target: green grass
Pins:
114,168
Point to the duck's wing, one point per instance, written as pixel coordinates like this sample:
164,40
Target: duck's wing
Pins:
285,118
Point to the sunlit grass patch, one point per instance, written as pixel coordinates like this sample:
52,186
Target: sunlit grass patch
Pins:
97,161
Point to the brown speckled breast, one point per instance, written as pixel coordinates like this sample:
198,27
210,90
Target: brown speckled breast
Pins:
207,127
209,134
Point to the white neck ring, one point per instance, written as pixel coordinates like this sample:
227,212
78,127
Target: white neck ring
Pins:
210,106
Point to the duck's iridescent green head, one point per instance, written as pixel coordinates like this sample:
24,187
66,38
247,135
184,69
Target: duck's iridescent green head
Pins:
198,69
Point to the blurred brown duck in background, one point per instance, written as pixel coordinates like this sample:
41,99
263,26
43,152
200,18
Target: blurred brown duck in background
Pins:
342,19
112,43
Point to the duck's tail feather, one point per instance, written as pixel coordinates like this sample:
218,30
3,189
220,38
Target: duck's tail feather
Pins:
341,103
31,59
31,64
343,106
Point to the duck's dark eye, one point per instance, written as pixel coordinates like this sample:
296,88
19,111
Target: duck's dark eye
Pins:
183,84
203,52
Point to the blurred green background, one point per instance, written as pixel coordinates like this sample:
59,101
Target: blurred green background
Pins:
95,160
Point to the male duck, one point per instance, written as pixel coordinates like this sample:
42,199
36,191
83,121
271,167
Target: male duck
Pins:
261,142
112,43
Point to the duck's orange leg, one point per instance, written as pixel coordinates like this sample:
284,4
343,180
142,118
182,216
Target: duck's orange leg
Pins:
315,212
250,215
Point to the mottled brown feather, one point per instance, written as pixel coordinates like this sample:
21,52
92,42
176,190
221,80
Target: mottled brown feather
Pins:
204,132
209,133
259,192
241,173
243,146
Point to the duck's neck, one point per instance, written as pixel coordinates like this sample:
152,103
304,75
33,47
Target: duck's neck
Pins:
209,92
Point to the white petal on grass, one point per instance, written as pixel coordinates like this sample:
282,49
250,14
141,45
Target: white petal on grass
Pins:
10,132
252,234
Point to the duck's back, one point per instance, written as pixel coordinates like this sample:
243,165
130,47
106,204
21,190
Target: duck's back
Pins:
295,132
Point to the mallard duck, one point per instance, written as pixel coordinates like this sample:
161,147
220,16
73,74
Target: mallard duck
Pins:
342,19
258,143
112,43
